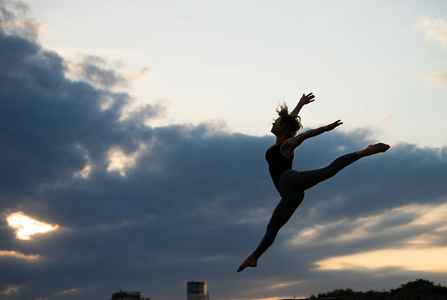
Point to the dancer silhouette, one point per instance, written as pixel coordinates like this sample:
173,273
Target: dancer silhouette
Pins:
290,183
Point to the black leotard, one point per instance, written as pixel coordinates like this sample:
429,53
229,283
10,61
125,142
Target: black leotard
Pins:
278,163
291,185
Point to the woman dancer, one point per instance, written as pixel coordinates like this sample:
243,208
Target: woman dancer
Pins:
290,183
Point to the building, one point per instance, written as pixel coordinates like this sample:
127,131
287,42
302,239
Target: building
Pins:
197,291
121,295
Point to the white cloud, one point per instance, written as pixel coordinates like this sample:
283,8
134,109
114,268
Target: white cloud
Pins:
435,29
438,77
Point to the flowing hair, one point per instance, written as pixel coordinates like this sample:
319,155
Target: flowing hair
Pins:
289,125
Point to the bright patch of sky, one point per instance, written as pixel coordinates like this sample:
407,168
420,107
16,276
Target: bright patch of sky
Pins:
375,64
26,226
16,254
422,260
119,161
420,253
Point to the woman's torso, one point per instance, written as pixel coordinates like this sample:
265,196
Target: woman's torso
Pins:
278,163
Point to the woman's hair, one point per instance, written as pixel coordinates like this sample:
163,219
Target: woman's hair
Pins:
289,125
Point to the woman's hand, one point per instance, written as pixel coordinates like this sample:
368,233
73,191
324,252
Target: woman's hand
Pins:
331,126
306,99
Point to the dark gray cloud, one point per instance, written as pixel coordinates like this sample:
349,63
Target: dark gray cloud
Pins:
192,207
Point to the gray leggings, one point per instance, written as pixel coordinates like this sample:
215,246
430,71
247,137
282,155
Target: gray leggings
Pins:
291,187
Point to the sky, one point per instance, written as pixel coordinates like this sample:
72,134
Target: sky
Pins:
133,135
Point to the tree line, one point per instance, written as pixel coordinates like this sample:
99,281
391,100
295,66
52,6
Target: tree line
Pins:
417,287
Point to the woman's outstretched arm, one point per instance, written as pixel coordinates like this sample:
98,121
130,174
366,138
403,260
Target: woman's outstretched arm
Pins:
289,145
305,99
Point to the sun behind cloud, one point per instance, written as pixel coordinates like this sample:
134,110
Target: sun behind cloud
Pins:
26,226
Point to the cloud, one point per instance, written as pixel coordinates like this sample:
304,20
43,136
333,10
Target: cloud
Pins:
435,29
149,208
26,226
15,23
96,71
15,254
438,77
392,223
21,5
70,291
10,289
431,259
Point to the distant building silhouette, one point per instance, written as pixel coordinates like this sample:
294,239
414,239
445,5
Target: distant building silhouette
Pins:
121,295
197,290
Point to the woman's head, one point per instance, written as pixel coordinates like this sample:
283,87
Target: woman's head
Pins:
286,126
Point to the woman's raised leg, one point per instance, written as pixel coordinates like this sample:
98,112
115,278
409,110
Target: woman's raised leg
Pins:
304,180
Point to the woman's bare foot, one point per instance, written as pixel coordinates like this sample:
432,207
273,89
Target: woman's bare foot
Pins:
373,149
251,261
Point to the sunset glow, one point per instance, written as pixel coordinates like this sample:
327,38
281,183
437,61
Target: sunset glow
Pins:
20,255
9,290
26,226
431,260
120,162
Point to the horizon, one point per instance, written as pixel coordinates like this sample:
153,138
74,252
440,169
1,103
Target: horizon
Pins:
316,295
